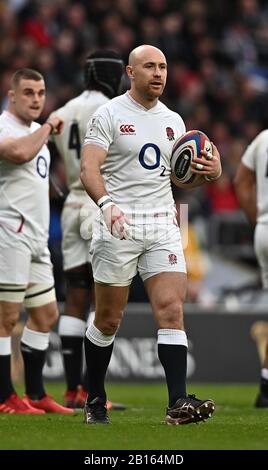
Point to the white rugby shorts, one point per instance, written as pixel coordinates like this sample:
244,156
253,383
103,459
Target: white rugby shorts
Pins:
77,224
152,250
261,250
23,260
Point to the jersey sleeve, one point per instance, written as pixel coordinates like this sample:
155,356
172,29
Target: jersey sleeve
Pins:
99,129
5,132
181,124
250,155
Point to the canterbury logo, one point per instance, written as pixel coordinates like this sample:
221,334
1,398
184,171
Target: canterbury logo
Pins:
127,128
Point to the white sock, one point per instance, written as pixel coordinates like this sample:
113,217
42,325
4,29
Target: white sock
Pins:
170,336
5,346
97,337
71,326
35,339
264,374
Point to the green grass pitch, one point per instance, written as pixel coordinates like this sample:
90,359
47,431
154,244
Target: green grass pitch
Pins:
236,424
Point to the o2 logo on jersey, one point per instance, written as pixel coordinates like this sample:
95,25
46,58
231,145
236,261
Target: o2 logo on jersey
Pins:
153,165
157,157
41,166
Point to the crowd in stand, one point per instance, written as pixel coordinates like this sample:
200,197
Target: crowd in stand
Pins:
217,63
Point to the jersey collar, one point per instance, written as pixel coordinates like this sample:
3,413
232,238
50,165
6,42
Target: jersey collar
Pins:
138,105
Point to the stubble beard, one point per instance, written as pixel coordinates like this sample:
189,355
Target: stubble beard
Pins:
152,95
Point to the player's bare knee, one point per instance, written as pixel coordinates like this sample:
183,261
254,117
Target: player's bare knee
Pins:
170,314
108,326
108,320
169,306
8,323
9,315
43,318
52,315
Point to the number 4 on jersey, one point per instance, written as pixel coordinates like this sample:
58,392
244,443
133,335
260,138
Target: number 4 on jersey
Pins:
74,139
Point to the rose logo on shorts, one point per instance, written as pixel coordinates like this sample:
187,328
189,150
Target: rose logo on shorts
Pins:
172,258
170,133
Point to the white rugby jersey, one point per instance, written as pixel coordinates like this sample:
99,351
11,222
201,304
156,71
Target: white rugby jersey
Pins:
256,159
139,142
24,196
76,114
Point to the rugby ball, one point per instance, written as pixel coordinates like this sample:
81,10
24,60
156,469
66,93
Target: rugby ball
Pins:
187,147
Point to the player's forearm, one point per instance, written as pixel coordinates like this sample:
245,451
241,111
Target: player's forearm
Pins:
92,180
25,148
246,195
31,144
248,204
245,188
94,185
92,159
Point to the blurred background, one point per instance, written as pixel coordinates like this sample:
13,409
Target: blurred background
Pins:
217,80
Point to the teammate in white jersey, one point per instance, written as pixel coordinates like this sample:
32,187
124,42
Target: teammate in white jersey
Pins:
25,267
251,186
126,170
102,76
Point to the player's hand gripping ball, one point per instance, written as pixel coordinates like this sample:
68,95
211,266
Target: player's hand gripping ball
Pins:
187,147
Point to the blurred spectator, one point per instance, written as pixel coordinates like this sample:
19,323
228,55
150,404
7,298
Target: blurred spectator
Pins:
128,11
171,36
41,25
86,34
150,31
221,195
